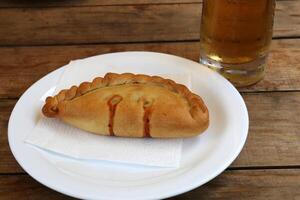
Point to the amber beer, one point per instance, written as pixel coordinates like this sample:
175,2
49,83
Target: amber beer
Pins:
235,38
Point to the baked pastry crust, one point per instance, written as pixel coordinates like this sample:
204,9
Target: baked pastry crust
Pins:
130,105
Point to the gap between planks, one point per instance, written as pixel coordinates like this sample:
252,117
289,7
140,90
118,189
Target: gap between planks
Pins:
275,38
227,169
92,3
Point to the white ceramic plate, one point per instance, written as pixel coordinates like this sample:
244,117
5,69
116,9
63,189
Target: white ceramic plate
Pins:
203,157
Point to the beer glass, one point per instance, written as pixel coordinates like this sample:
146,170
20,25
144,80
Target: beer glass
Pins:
235,38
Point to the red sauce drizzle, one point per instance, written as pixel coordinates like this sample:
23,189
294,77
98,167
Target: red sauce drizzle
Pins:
112,104
146,118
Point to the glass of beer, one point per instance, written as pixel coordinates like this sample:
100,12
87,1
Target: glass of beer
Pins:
235,38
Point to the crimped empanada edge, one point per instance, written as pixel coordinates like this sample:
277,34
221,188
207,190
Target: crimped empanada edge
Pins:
50,109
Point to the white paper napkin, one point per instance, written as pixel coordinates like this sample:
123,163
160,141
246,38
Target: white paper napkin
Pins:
55,136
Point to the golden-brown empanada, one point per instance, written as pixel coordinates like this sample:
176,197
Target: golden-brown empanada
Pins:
130,105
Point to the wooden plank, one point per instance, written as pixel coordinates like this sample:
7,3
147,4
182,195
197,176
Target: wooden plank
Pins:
24,187
8,164
73,25
131,23
252,185
273,139
274,131
283,72
245,184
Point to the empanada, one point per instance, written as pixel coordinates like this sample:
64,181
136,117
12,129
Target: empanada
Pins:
130,105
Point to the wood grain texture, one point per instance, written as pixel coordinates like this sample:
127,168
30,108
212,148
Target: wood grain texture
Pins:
25,187
111,24
287,23
283,71
283,68
73,25
252,185
8,164
274,131
273,140
245,184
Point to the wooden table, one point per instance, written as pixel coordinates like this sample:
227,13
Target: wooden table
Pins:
37,37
